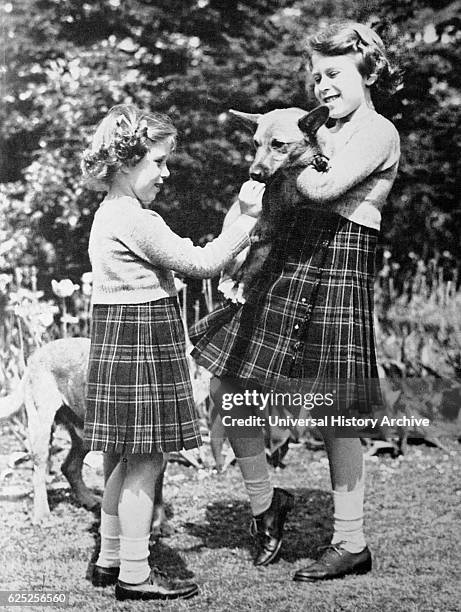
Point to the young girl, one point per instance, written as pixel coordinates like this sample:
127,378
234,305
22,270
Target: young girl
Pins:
310,321
139,397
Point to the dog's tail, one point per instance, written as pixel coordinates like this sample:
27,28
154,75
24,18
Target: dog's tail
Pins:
10,404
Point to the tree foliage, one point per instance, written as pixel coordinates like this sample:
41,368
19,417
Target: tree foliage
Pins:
68,61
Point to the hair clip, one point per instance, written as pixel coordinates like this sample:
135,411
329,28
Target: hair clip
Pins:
124,119
144,132
360,38
142,125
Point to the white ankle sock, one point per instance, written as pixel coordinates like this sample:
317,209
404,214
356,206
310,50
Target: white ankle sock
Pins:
109,555
348,519
257,481
134,554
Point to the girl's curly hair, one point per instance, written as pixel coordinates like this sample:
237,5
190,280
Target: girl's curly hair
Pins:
123,137
343,37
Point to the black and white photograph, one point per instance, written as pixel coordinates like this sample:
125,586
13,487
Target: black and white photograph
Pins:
230,305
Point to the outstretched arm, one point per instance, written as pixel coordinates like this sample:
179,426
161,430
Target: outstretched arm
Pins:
150,238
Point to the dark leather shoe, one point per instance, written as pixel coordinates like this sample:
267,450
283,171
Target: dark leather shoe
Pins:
104,576
335,563
156,586
267,528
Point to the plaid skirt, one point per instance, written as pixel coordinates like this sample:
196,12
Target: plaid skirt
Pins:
139,392
307,324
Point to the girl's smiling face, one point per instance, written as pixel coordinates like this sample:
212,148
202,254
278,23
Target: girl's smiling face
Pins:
143,181
339,84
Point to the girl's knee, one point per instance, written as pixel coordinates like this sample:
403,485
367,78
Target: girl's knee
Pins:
110,460
215,391
220,387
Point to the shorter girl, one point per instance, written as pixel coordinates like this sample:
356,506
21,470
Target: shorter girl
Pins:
139,396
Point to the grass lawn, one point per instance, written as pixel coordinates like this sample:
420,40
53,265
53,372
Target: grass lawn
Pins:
412,522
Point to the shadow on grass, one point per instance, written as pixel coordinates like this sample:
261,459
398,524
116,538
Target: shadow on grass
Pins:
67,496
309,525
167,559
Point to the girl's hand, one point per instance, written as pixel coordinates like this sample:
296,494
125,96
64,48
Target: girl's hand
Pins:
251,197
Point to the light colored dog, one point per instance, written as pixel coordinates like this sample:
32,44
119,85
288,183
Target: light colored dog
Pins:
53,387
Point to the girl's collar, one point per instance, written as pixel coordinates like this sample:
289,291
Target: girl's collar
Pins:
126,199
362,115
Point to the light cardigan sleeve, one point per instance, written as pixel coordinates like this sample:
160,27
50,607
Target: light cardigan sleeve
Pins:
367,151
147,235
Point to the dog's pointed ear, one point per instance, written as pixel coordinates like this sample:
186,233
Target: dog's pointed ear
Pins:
310,123
249,120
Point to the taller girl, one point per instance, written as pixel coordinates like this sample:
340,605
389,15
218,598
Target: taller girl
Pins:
312,316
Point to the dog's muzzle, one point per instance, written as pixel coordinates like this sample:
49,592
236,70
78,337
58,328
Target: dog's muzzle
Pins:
257,176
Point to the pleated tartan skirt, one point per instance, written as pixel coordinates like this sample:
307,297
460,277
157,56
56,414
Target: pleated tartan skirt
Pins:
139,392
308,319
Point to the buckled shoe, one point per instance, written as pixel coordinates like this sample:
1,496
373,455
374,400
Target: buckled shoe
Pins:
267,528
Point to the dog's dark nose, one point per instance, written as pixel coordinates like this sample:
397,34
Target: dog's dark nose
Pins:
257,176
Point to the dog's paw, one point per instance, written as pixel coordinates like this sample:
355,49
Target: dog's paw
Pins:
87,498
165,530
42,519
161,527
91,502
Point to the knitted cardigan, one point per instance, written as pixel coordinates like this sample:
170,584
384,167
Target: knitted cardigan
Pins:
133,252
364,156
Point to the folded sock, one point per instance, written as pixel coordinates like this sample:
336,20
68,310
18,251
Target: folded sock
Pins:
109,555
134,554
348,519
257,481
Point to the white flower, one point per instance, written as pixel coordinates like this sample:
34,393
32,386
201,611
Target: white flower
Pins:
7,245
5,280
21,310
87,289
232,291
46,319
64,288
87,280
179,284
69,319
